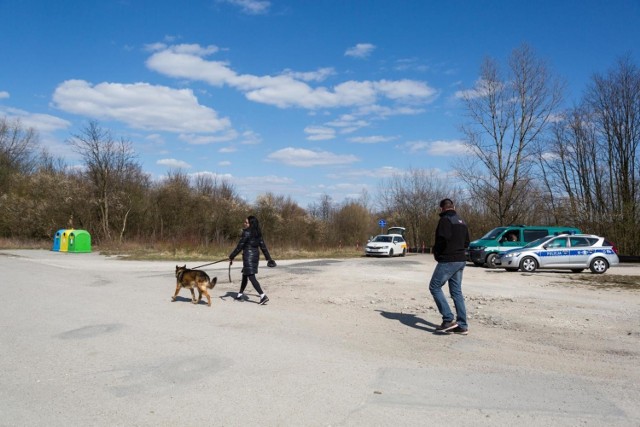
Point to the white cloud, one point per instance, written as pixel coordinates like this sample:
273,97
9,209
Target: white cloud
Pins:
382,111
412,64
405,89
267,179
198,139
319,133
213,175
289,89
374,139
250,138
173,163
250,7
186,48
41,122
382,172
361,50
453,147
4,94
311,76
140,105
307,158
482,89
348,123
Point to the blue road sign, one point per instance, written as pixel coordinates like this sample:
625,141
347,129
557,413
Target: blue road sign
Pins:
382,223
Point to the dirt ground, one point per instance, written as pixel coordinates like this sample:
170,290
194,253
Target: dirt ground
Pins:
94,340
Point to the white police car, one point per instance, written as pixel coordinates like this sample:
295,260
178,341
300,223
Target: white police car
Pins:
574,252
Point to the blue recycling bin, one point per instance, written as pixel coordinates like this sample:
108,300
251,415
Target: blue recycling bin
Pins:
56,239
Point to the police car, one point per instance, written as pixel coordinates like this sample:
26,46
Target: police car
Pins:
575,252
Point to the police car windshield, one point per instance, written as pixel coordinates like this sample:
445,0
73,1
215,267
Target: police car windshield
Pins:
537,242
494,233
382,239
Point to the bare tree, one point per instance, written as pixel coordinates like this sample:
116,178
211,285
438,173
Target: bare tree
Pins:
282,220
614,99
18,146
18,149
108,164
410,199
507,116
219,208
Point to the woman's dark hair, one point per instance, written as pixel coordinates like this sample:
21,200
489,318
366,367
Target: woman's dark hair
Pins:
254,226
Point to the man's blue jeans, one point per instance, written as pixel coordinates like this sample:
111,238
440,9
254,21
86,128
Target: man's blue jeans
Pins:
449,272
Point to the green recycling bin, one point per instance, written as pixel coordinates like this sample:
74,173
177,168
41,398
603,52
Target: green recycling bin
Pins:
79,241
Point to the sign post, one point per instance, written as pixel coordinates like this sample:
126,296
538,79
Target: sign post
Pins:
382,223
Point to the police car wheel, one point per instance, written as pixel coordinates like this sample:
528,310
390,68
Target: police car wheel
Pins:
528,264
598,266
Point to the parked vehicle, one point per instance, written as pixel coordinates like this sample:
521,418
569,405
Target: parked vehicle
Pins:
501,239
387,244
575,252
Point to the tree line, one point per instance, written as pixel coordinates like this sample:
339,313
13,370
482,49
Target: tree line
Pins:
525,161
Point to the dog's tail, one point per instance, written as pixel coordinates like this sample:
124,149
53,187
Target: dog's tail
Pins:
212,283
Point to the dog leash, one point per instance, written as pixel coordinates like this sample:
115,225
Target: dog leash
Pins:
211,263
215,262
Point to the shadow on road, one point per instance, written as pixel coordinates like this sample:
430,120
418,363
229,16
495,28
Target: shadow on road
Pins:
410,320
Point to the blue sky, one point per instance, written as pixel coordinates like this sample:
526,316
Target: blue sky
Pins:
299,98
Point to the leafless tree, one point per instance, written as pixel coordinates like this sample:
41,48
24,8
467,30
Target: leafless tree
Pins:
411,199
109,164
18,146
506,117
614,99
593,162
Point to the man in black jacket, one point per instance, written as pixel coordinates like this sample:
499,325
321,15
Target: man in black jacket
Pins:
452,240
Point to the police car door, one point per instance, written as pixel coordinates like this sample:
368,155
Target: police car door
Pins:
580,250
558,253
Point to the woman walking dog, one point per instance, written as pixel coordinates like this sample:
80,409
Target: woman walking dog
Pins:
250,244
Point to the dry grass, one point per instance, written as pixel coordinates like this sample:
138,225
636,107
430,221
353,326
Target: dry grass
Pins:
608,280
166,252
10,243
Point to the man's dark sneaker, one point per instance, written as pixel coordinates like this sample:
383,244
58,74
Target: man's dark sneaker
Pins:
446,326
458,330
264,300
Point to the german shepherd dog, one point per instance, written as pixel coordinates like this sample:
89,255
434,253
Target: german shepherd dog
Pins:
189,279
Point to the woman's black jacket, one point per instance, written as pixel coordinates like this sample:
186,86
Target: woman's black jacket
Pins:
250,247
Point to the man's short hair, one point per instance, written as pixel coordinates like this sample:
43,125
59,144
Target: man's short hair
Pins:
446,204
